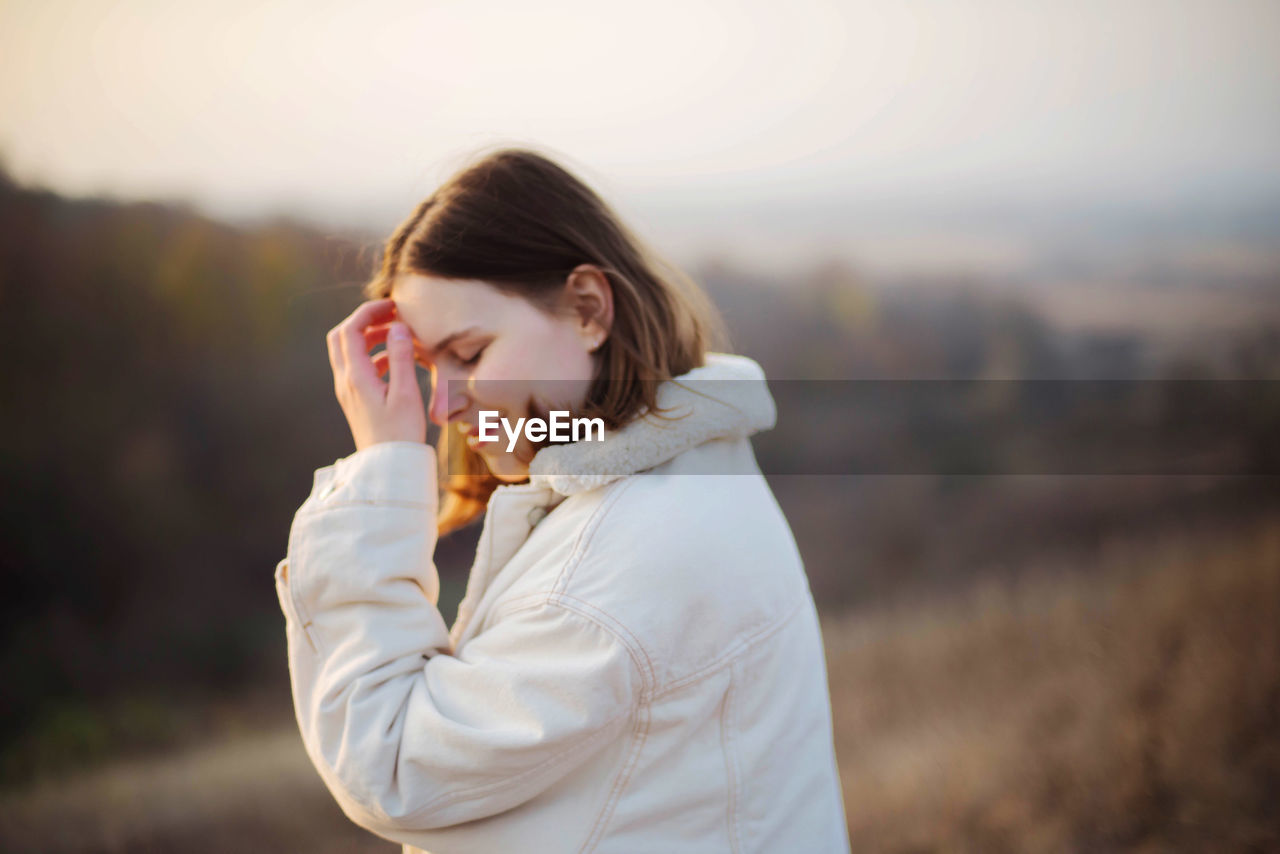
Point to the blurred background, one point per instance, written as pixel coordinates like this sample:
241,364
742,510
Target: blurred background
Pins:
192,194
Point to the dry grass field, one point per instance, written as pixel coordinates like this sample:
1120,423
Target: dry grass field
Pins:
1132,704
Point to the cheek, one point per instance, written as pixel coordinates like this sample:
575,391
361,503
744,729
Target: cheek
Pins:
563,356
502,363
545,352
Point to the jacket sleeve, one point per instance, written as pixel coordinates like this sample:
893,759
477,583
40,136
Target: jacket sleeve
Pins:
405,734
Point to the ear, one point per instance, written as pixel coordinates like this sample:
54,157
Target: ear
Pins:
588,297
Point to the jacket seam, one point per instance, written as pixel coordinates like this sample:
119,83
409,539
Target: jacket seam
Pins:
453,798
641,708
598,617
637,650
295,617
477,577
480,790
615,628
641,735
730,762
739,648
298,598
297,594
488,534
588,533
487,568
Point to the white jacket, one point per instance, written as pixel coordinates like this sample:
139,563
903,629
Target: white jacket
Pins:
638,669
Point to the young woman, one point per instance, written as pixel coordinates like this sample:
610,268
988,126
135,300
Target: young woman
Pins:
637,664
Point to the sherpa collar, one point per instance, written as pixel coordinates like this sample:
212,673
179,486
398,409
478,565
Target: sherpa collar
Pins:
688,419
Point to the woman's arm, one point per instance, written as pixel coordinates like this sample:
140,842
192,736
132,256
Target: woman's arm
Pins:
406,735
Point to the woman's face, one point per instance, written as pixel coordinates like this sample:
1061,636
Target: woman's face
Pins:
488,350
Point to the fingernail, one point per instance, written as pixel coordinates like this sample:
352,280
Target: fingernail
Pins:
399,332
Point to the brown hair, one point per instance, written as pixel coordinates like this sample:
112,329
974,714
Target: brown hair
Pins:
518,221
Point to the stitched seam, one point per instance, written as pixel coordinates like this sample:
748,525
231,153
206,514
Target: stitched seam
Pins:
620,782
458,796
466,607
613,627
733,652
600,618
637,650
292,611
305,618
517,604
731,771
584,536
290,607
455,797
642,709
487,567
588,532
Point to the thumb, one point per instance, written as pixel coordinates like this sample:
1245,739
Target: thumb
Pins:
401,376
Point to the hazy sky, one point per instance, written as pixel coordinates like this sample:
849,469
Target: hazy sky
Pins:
353,111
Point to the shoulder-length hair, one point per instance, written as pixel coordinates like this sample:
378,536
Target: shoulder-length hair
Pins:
518,221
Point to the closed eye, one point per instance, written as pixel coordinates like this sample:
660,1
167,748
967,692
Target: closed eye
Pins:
473,359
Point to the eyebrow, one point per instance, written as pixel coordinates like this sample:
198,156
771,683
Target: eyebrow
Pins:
449,339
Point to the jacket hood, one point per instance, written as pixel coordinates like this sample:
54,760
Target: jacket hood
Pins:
697,407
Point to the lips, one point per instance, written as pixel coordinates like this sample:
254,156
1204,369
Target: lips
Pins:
472,436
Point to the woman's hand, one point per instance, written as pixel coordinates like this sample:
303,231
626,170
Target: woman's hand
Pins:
377,411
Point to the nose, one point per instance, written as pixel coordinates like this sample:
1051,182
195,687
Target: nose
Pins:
448,397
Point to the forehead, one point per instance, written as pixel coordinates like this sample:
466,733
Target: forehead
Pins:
435,307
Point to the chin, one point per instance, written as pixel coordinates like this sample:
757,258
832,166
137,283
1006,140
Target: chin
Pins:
509,476
504,468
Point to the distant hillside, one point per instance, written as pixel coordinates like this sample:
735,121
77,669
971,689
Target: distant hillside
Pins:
167,399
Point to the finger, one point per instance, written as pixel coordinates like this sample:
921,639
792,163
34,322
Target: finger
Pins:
372,311
331,343
337,363
402,378
375,335
351,335
372,316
